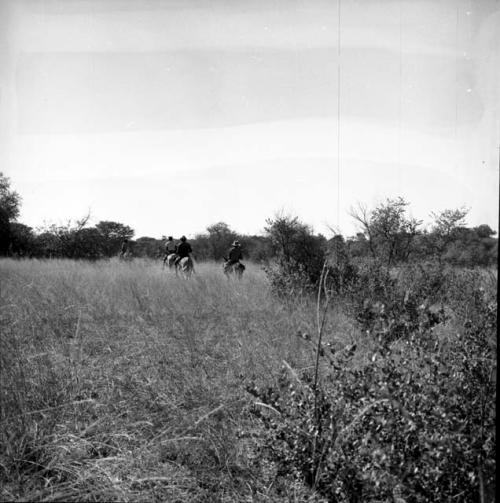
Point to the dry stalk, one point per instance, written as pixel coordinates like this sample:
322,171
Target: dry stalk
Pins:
40,411
344,434
320,326
270,407
295,375
197,422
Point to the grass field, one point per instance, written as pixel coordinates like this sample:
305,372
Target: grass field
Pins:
122,382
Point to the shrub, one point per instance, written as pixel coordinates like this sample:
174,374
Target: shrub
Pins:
300,255
288,279
416,419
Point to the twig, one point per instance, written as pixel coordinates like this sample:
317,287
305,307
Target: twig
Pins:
152,479
344,434
481,484
270,407
39,411
324,273
320,329
201,419
295,375
181,438
208,414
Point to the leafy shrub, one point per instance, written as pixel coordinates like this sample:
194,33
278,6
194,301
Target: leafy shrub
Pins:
416,421
391,304
288,279
300,256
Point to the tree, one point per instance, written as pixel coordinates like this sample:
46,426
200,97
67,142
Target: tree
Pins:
358,246
448,221
202,247
362,215
338,254
87,244
63,240
445,229
148,247
484,231
341,271
389,232
296,247
112,234
220,237
283,231
256,248
47,244
22,240
9,211
472,247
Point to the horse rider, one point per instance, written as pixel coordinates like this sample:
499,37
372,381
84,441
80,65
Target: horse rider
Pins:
170,248
183,250
124,248
234,254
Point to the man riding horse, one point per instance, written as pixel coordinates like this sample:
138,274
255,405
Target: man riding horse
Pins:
232,263
184,260
170,252
125,252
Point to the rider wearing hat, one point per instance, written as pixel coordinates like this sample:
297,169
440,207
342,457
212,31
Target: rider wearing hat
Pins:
234,255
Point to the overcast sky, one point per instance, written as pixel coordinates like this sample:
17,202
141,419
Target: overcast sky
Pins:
170,115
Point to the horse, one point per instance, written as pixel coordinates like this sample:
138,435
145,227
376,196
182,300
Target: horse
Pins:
126,256
236,268
169,260
186,266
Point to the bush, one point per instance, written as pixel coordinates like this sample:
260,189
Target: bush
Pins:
416,419
288,279
393,303
300,255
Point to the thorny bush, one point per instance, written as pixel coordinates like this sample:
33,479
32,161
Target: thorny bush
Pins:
289,279
391,304
415,422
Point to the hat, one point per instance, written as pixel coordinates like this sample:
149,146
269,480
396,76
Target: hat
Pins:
183,238
236,243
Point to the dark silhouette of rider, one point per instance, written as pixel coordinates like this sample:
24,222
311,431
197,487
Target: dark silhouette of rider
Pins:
183,250
234,254
124,248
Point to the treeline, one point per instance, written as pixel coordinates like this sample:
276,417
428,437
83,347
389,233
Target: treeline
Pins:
104,240
387,235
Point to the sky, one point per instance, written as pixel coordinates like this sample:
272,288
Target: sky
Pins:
170,115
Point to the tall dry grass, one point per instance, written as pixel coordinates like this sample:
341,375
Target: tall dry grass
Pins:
123,382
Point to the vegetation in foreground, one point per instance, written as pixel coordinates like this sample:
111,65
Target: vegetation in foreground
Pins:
121,382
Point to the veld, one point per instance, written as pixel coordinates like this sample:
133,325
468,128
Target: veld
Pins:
123,382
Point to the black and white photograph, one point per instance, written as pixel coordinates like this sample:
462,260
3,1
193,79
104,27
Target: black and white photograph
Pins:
249,250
